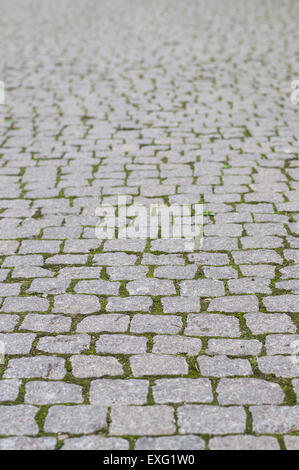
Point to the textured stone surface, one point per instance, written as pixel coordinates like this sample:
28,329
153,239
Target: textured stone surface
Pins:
162,103
207,419
76,419
142,420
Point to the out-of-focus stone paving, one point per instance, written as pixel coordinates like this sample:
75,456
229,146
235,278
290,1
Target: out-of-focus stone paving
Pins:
118,344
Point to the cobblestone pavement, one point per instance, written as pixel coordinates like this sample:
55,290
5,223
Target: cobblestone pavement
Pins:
136,344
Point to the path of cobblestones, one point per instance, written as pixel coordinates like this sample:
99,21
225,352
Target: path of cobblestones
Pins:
128,344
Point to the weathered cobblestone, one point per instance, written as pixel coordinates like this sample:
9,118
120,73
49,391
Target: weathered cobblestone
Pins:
104,337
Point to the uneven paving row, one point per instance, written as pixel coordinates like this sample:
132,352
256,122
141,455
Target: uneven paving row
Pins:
118,344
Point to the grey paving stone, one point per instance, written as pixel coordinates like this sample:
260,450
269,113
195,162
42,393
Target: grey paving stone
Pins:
154,364
8,247
295,384
234,347
28,443
260,323
257,257
178,304
151,287
126,272
29,260
280,366
170,443
49,286
114,259
95,366
64,344
207,419
121,344
80,272
125,245
244,303
258,270
212,325
39,366
9,289
40,246
221,272
38,392
222,366
156,324
176,272
98,286
25,304
49,323
119,392
282,344
8,322
76,304
248,391
9,389
95,443
112,322
30,272
281,303
182,390
17,343
249,286
202,288
127,304
173,344
244,443
76,419
66,259
269,419
18,420
291,442
142,420
212,259
151,259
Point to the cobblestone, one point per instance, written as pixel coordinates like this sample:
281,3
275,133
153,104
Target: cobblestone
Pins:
103,338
